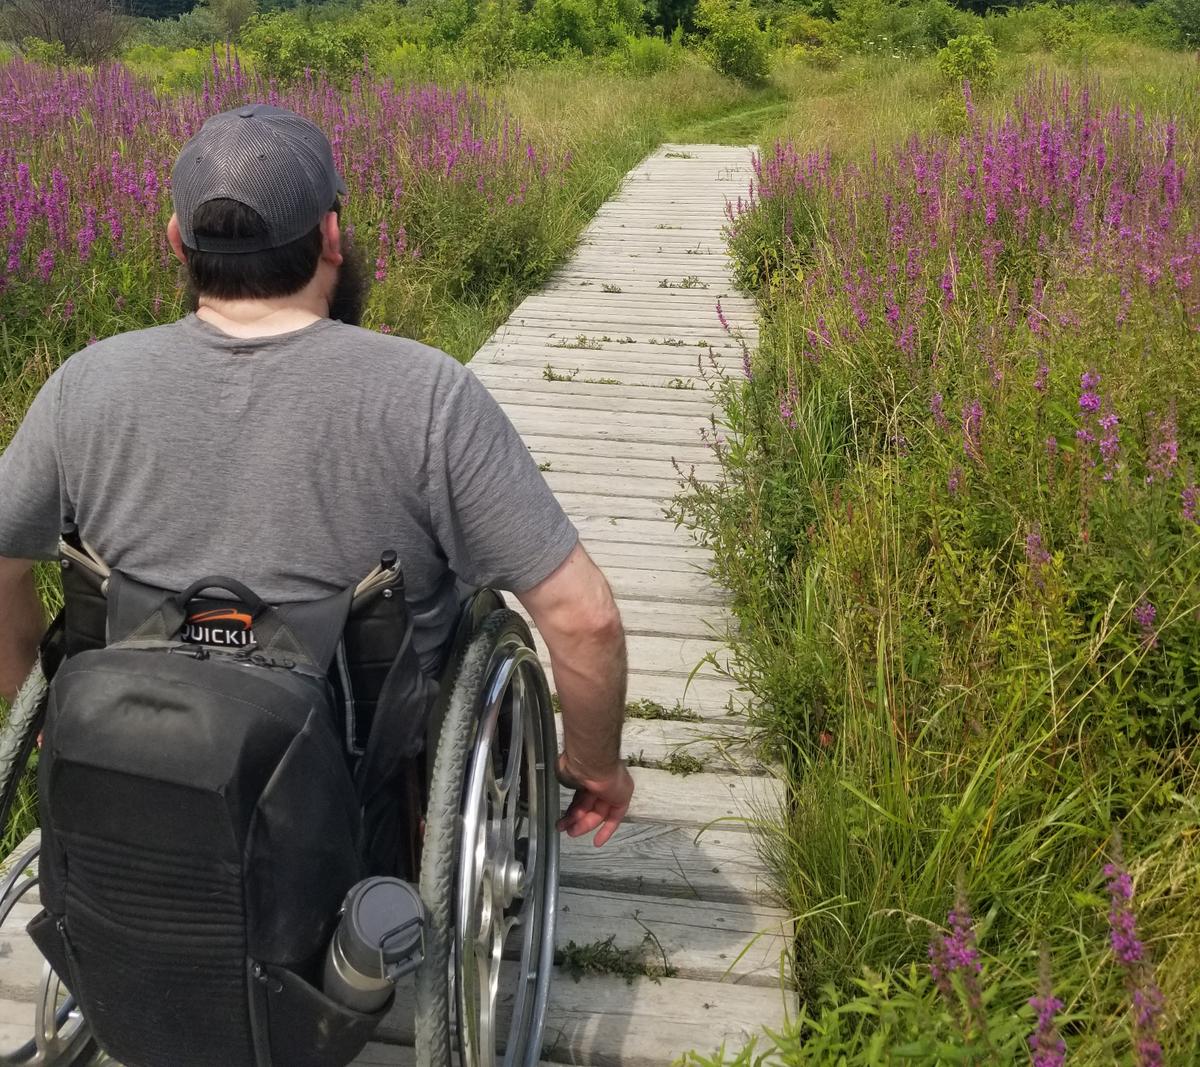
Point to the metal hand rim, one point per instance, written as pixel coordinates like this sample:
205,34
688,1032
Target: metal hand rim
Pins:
490,866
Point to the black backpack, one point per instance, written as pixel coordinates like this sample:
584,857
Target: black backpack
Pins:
202,823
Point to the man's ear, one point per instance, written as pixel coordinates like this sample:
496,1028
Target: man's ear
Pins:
175,239
331,239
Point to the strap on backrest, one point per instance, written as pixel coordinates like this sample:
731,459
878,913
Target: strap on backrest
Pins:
305,633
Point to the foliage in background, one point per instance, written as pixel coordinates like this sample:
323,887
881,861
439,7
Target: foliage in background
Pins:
733,42
971,59
959,516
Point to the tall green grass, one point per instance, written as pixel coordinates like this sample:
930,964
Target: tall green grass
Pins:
946,706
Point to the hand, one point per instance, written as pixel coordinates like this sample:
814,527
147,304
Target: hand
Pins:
599,803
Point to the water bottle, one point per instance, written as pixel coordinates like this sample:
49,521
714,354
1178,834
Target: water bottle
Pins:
379,939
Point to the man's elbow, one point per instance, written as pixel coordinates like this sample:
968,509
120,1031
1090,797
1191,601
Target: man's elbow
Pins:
602,621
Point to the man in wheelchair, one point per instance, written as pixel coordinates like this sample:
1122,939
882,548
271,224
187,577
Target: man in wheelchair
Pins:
254,495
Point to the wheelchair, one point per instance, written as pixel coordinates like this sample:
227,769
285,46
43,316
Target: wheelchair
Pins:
475,825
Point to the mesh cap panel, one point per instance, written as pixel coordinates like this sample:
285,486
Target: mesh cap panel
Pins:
267,158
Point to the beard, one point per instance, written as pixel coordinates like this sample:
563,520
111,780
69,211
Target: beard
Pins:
350,291
353,285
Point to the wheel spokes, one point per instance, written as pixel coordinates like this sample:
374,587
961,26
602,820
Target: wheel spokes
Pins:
509,822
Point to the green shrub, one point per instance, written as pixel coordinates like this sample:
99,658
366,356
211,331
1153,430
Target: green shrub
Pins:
973,59
1182,20
876,27
49,53
171,68
733,42
647,55
288,43
193,29
820,57
497,38
804,29
561,27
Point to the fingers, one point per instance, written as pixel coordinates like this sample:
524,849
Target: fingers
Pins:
608,827
589,812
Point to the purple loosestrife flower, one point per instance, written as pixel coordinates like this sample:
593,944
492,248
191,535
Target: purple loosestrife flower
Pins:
1144,615
1145,997
1046,1046
1164,447
936,410
956,953
1035,554
1110,443
787,412
721,318
947,284
1043,377
1089,400
45,264
954,481
747,370
1189,501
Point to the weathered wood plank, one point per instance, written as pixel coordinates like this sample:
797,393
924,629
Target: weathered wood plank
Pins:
622,485
563,462
709,940
670,861
737,802
551,442
612,402
663,619
717,744
502,380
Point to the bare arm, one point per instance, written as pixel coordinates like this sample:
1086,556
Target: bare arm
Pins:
576,615
23,625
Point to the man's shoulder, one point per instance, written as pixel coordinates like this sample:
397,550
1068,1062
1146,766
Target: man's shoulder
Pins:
108,352
409,367
388,348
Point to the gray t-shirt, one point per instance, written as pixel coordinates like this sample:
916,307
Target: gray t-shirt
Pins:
290,462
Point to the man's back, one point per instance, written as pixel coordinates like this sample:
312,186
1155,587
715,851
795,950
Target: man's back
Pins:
290,462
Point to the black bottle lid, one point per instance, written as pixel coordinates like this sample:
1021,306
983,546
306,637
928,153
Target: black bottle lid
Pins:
383,928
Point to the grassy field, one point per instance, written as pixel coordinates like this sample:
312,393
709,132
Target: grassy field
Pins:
959,519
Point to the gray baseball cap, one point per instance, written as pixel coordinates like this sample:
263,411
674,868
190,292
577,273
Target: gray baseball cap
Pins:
267,158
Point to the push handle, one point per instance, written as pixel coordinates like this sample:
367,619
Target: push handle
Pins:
244,593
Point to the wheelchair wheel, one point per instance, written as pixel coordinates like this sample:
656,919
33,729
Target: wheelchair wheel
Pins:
489,872
60,1036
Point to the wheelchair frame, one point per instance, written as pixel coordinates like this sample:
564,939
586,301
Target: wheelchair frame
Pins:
488,863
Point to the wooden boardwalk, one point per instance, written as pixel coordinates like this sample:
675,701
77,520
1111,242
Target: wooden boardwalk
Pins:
601,372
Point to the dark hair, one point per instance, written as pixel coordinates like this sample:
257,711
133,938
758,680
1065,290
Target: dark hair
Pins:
251,275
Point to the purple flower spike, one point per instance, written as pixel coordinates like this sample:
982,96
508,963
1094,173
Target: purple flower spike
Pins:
954,481
1035,554
956,953
1189,501
1163,453
1043,377
936,410
1145,997
1144,615
1046,1046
